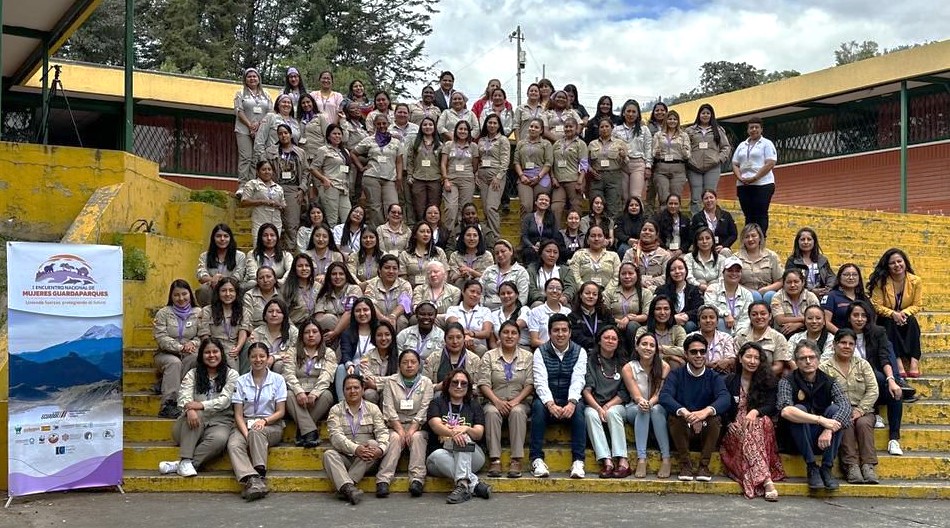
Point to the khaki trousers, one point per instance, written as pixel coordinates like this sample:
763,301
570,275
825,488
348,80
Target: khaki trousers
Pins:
206,441
290,215
173,368
380,194
251,452
307,418
424,194
491,201
669,178
517,429
857,442
460,192
344,469
632,182
417,456
245,148
567,194
336,205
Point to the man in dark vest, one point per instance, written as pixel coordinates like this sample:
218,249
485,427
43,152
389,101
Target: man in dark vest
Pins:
816,409
560,367
695,398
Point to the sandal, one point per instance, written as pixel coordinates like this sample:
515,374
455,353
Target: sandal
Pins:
607,470
771,495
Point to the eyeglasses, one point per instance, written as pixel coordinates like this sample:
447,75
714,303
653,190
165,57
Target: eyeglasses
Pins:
462,384
849,275
807,359
696,351
555,290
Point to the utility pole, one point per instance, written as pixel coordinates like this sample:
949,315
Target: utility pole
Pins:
519,38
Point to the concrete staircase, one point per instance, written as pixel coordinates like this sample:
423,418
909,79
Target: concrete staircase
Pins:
845,235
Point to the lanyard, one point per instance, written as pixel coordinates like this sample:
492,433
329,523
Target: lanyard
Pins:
354,424
257,399
410,390
308,366
509,367
468,317
593,329
421,345
731,301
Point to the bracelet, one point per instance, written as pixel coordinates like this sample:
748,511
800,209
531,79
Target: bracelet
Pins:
889,378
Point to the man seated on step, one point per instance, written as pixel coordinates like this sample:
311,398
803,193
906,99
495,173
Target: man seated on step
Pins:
359,437
816,409
695,398
560,368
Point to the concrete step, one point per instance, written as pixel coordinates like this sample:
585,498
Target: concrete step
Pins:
935,342
934,321
308,481
927,412
936,364
925,465
914,438
932,387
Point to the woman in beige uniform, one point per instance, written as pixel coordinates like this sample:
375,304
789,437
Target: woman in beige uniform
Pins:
639,142
251,103
671,150
506,379
226,320
608,160
309,378
570,169
330,167
383,168
534,157
423,167
176,332
494,155
459,163
558,112
425,107
456,113
406,397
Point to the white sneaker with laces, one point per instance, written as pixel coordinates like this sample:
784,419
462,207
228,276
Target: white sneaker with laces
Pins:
168,467
539,468
879,422
894,448
187,469
577,470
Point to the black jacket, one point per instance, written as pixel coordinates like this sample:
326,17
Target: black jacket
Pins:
692,296
762,400
726,231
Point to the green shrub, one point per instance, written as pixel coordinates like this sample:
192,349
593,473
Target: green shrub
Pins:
210,196
135,264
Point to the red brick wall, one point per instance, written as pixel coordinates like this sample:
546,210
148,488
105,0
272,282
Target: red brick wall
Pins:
868,181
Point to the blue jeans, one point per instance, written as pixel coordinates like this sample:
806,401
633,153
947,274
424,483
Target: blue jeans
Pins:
641,428
806,439
756,296
895,408
539,424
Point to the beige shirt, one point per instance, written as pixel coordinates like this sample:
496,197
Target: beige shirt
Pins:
303,304
403,404
336,302
534,154
523,116
602,270
166,331
418,111
494,157
216,404
783,305
349,431
652,265
381,161
760,272
364,271
392,241
282,350
331,163
772,341
225,331
313,375
479,263
413,267
859,383
448,298
423,164
609,157
460,161
256,189
554,121
491,373
386,299
449,118
639,146
671,148
240,262
254,302
567,158
434,361
622,305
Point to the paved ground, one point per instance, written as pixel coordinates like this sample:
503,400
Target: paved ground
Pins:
99,509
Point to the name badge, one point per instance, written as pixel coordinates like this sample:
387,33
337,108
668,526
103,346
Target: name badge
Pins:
604,163
668,158
746,166
426,163
250,423
716,240
286,175
703,144
562,164
559,128
258,110
486,163
303,141
381,159
344,169
188,324
529,165
405,405
459,167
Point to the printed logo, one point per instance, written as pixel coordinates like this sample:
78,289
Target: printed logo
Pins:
60,450
63,270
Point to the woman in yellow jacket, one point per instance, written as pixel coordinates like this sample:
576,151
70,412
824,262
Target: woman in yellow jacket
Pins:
897,295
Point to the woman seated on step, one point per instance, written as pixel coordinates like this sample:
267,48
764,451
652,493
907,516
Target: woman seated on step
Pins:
260,399
277,334
643,376
897,296
605,397
356,342
807,256
789,304
222,259
227,321
268,251
264,290
175,328
382,360
202,431
309,383
471,257
856,378
453,356
749,451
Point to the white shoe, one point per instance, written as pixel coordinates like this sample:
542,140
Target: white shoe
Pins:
894,448
539,468
168,467
879,422
187,469
577,470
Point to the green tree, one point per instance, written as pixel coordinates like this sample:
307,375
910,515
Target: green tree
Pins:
317,58
724,76
101,40
853,51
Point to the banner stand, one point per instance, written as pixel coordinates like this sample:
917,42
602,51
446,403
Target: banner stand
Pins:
11,497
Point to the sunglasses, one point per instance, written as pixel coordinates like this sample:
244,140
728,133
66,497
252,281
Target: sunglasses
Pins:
696,352
462,384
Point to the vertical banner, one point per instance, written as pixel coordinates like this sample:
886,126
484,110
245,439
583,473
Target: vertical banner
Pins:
65,328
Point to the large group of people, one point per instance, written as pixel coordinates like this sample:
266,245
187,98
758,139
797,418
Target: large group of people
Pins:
425,337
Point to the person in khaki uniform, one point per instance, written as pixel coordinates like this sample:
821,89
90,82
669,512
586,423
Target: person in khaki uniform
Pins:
608,160
330,171
291,171
205,397
557,116
506,379
533,159
459,163
359,437
423,167
406,397
259,399
251,103
175,328
671,151
570,168
382,157
453,356
391,295
226,320
494,155
222,259
425,107
309,378
595,262
709,149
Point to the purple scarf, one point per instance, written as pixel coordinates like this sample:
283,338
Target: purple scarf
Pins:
383,138
182,314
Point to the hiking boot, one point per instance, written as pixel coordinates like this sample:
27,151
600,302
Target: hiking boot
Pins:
870,475
382,490
830,482
482,491
853,475
814,478
352,494
254,488
415,488
514,468
460,494
169,410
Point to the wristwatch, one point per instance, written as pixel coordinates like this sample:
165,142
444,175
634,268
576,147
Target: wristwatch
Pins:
572,400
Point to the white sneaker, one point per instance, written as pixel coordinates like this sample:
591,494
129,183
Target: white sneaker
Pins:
879,422
539,468
894,448
168,467
187,469
577,470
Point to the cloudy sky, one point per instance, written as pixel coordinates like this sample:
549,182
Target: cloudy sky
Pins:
641,48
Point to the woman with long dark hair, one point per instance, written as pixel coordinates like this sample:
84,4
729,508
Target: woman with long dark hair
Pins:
605,397
382,360
294,85
676,287
716,219
703,263
605,109
423,169
709,149
535,227
643,376
347,233
300,289
897,296
749,450
330,166
309,383
226,320
674,227
639,140
175,329
608,161
202,431
671,152
277,333
669,335
807,256
220,260
849,287
471,257
364,264
589,315
268,251
420,251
